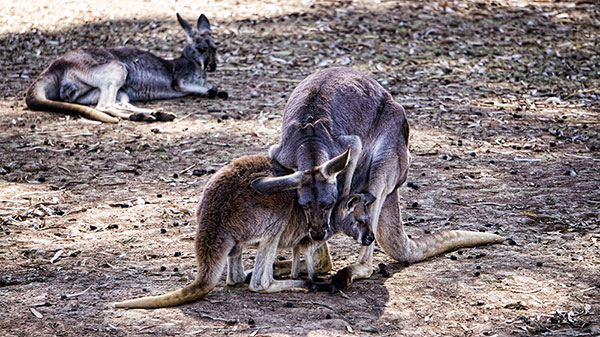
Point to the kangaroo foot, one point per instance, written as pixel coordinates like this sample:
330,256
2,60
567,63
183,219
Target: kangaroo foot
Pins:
142,117
212,92
222,95
163,116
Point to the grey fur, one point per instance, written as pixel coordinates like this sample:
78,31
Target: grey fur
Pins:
337,108
111,78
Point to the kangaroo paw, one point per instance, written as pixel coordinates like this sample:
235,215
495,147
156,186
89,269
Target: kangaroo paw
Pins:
164,116
141,117
339,281
223,95
212,92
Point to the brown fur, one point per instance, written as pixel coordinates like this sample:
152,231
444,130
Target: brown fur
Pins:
232,215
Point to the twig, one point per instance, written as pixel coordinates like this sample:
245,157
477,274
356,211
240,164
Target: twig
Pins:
526,291
219,319
79,293
42,148
286,80
32,193
321,304
187,169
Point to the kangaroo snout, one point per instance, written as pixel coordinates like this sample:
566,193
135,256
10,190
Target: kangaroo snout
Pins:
317,235
368,239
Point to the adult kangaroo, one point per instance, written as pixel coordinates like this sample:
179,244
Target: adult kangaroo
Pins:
232,215
340,107
111,78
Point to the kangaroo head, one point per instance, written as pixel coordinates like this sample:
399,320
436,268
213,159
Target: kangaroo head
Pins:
352,217
317,191
200,48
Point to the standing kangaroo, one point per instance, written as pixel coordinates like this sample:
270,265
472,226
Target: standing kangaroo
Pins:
232,215
111,78
340,107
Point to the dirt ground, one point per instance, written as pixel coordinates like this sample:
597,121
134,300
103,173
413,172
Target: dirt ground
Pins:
503,99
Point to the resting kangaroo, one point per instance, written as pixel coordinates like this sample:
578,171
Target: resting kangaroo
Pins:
339,107
111,78
232,215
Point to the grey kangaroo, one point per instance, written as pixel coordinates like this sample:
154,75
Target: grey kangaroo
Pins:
232,215
340,107
111,78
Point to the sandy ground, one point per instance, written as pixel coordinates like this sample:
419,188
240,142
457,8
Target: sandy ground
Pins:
502,97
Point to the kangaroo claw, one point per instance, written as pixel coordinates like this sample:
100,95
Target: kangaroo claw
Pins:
142,117
213,92
164,116
223,95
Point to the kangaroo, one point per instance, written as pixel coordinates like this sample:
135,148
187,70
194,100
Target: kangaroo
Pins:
329,111
231,215
111,78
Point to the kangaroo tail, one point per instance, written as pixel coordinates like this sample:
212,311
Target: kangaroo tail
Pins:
404,249
190,293
211,255
434,244
36,99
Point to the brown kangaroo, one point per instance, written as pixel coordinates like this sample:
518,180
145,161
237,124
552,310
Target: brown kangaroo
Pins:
111,78
340,107
232,215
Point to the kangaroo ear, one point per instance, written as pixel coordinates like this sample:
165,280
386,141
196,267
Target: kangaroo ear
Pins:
272,185
203,25
352,201
368,198
335,165
189,30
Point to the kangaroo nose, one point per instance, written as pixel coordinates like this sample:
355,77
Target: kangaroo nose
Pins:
316,235
211,68
368,239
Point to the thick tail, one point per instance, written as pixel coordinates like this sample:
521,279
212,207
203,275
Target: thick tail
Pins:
404,249
190,293
211,256
36,99
434,244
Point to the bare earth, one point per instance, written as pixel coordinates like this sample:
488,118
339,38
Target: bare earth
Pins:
503,100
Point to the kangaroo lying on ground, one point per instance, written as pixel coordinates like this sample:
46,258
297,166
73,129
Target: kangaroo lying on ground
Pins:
111,78
232,215
327,112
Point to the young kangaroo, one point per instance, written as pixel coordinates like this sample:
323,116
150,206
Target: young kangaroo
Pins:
111,78
232,215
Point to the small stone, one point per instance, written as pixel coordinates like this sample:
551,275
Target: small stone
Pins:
478,256
163,231
476,273
175,269
289,304
453,257
414,204
93,228
412,185
177,254
328,316
539,263
176,223
478,267
175,175
511,242
163,268
513,172
41,179
159,195
251,321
